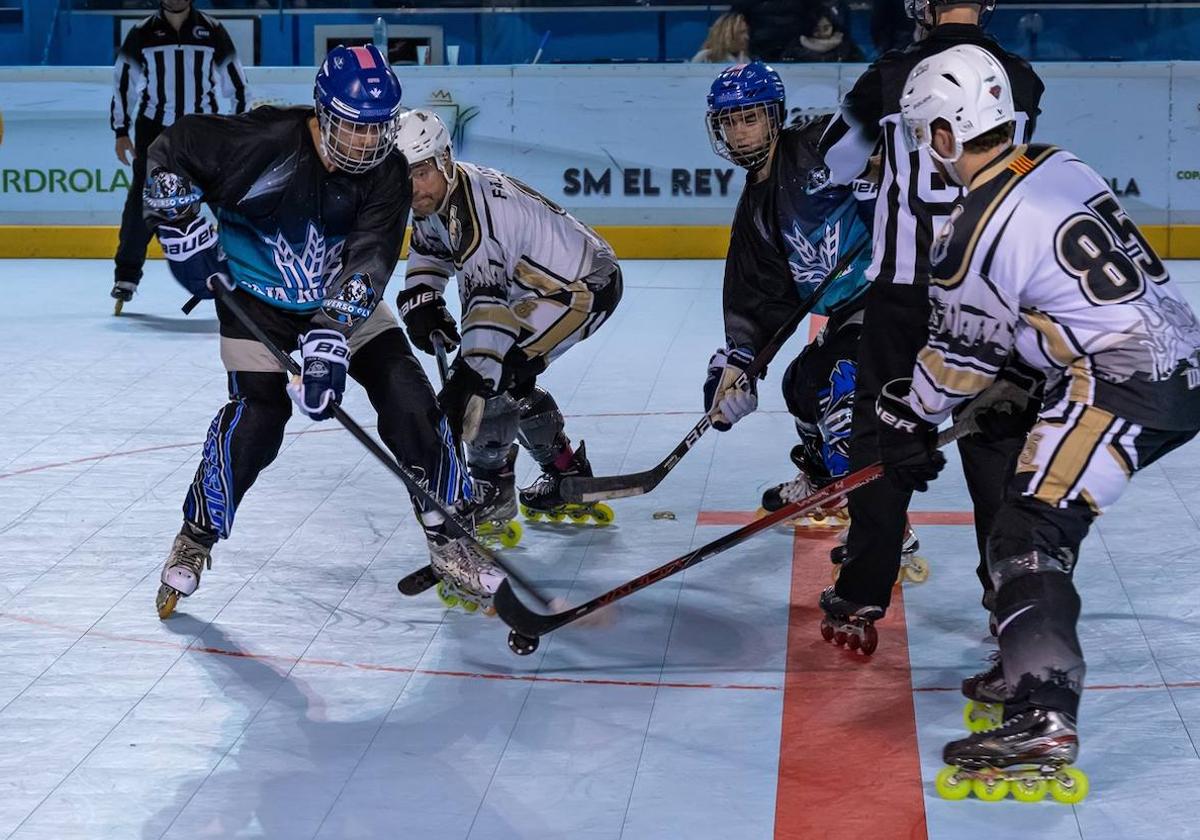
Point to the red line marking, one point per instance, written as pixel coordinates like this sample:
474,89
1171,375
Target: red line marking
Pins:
196,444
848,759
372,666
738,518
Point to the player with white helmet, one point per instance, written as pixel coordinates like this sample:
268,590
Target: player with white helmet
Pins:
532,281
1038,258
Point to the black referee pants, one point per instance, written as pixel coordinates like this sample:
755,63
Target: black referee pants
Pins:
895,328
135,235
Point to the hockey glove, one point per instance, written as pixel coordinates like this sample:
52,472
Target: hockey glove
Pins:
907,442
723,400
462,399
1009,407
194,256
324,358
424,312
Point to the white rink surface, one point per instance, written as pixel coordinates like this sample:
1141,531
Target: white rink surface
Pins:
298,695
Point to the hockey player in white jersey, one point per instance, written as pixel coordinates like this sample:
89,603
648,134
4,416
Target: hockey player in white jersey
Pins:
533,281
1038,257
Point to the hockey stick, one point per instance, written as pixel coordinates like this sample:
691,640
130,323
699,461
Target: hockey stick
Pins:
528,626
580,489
453,525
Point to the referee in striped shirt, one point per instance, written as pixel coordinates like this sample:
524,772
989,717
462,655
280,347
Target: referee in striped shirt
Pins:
170,65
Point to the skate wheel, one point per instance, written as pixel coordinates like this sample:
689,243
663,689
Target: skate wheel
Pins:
870,639
448,599
839,637
512,534
835,572
556,516
826,630
530,514
980,717
852,641
1029,790
950,785
1069,786
989,790
602,514
117,307
578,516
468,606
916,569
521,645
166,600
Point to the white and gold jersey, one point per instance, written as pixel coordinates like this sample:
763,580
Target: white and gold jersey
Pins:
1040,257
511,248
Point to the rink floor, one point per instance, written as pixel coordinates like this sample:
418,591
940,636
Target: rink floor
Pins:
298,695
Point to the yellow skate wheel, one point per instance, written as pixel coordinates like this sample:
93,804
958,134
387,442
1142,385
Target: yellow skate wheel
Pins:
531,514
556,515
448,599
602,514
512,534
950,785
980,717
166,600
468,606
916,569
1069,786
1028,790
989,790
578,516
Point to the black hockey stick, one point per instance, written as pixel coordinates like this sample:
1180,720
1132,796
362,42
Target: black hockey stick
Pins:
453,525
580,489
528,626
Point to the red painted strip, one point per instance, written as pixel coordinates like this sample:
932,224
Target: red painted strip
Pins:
738,518
848,760
815,325
365,61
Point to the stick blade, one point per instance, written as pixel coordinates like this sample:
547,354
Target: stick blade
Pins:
519,617
601,488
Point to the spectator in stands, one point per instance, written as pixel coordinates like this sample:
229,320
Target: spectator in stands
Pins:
826,39
727,41
774,24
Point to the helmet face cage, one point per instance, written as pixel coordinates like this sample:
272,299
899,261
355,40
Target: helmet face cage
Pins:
722,120
354,147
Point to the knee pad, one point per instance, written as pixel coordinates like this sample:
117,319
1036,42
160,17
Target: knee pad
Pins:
1029,536
497,431
540,427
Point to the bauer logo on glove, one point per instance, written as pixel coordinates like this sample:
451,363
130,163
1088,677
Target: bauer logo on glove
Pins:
325,357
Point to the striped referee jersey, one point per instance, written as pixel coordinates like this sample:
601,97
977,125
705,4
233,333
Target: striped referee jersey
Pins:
172,73
914,199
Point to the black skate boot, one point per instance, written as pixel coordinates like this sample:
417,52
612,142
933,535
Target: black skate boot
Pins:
122,292
543,499
495,502
1029,756
912,566
808,480
985,693
190,555
850,624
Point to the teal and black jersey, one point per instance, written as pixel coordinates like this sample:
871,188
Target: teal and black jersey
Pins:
290,230
789,231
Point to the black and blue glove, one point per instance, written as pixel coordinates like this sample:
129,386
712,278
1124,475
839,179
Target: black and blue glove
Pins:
325,356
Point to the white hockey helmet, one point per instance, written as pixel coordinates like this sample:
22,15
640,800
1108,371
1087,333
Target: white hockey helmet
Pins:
421,135
966,87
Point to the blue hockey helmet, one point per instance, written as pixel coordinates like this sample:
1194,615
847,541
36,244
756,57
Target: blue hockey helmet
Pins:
357,100
745,113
